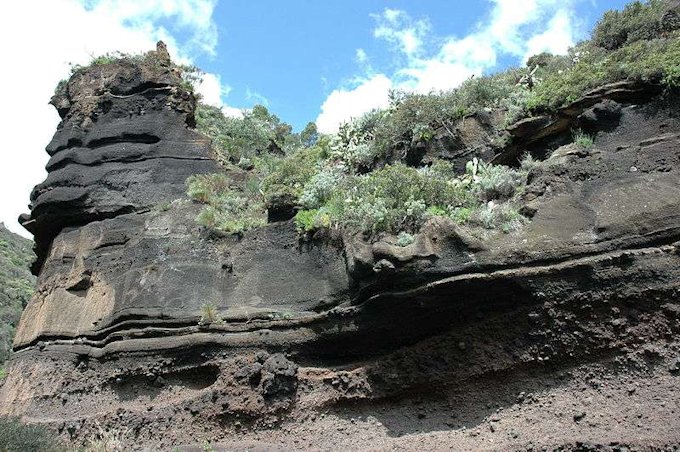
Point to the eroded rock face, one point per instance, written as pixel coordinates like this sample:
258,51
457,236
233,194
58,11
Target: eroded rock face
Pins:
498,329
124,145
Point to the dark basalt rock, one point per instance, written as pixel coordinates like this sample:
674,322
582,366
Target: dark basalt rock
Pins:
333,323
475,135
279,376
124,145
542,134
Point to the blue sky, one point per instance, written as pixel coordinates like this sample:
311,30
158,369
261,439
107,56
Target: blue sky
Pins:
307,60
293,54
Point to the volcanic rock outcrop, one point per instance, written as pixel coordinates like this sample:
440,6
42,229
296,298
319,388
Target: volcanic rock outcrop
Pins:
562,334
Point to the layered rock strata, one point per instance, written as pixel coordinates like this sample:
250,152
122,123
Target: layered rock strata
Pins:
470,341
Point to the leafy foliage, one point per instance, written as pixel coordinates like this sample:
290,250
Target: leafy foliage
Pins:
503,216
360,178
210,314
648,61
227,209
342,180
321,187
255,133
399,198
637,21
405,239
583,140
415,117
286,178
16,285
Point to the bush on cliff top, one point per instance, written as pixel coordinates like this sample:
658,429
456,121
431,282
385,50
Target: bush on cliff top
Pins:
256,133
637,21
398,198
190,74
358,178
227,209
655,61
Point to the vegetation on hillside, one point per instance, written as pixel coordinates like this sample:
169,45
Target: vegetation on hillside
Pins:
18,437
358,178
16,285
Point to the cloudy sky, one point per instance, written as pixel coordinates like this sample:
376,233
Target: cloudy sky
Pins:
323,61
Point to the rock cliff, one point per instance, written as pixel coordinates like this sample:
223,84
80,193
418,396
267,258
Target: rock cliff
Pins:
562,334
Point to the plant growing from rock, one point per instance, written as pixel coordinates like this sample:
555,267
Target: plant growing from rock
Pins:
356,179
399,198
583,140
190,75
637,21
503,216
405,239
210,315
227,209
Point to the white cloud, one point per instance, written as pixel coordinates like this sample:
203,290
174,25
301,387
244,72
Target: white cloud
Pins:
510,29
344,104
194,16
503,30
361,56
427,75
398,28
211,89
232,112
557,39
41,39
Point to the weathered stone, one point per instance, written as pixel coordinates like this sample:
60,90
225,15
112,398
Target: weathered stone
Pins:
593,276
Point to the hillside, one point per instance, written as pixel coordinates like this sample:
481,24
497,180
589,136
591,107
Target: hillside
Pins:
16,285
494,267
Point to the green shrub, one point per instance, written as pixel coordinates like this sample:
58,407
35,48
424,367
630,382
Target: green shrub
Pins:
228,210
354,145
583,140
234,215
495,181
18,437
637,21
205,188
320,187
492,91
413,118
286,178
61,85
256,133
310,220
399,198
647,61
528,163
504,216
461,215
405,239
210,315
